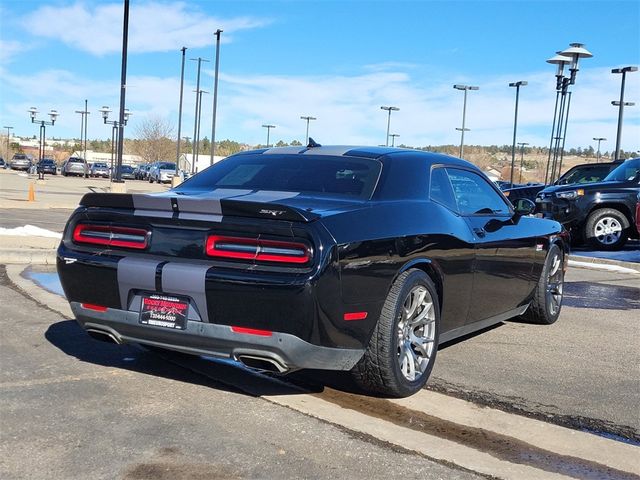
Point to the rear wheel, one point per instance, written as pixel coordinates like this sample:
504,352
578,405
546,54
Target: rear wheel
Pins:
606,229
403,346
547,299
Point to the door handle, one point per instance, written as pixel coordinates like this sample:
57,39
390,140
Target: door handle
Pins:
480,232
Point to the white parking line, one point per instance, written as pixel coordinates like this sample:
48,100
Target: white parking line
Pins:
602,266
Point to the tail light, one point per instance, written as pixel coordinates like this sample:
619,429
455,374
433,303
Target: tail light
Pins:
257,249
111,236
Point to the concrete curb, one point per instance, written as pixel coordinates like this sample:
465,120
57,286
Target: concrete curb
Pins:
23,256
595,261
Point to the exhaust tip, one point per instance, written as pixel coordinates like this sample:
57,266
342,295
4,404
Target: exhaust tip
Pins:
264,364
102,336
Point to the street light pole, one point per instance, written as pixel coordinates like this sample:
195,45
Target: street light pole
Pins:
521,145
599,139
518,84
8,135
53,114
393,139
215,97
123,87
83,129
116,130
183,50
268,127
389,110
307,118
465,88
621,104
195,115
198,119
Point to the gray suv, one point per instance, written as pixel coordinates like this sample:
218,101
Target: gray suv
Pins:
75,166
20,161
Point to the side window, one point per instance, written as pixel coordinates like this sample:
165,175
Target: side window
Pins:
474,195
440,189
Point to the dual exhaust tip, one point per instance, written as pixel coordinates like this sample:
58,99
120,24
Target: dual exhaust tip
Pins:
255,362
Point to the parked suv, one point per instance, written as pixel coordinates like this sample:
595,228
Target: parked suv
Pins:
602,213
99,169
20,161
75,166
162,172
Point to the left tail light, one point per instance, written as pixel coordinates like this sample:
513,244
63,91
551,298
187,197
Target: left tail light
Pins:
257,249
111,236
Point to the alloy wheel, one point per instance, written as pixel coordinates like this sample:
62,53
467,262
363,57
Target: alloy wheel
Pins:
607,230
555,282
416,333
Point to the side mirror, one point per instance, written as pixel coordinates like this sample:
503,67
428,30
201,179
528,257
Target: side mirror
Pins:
524,206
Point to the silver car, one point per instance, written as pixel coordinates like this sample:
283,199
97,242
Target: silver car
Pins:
75,166
162,172
20,162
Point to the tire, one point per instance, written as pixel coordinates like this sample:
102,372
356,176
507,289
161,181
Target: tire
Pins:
150,180
607,229
546,304
392,365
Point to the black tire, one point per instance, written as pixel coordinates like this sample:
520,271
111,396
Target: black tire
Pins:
546,304
607,229
150,180
380,370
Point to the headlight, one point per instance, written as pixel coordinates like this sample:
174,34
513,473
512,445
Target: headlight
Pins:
571,194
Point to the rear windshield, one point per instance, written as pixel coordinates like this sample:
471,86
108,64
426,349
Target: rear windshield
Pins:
166,166
324,175
76,160
625,172
100,165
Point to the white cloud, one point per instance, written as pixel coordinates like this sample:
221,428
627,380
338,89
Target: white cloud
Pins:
153,26
11,48
347,107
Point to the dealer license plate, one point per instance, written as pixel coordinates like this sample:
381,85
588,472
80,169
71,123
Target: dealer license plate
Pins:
164,311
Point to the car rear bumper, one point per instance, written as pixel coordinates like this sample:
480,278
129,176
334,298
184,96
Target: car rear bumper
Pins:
284,351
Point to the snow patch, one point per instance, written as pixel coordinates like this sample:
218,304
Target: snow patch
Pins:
29,231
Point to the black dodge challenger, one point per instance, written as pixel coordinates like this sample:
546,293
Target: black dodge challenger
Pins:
339,258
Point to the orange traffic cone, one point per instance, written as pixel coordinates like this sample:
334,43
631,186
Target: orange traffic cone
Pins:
32,193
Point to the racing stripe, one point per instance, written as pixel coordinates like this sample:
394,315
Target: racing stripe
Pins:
280,150
151,202
187,279
135,273
334,150
266,196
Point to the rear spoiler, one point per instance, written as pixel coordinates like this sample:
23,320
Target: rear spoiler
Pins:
177,204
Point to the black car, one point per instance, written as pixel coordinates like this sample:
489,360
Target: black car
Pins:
602,213
340,258
47,165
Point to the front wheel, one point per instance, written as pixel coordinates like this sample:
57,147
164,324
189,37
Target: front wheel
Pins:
545,306
606,229
403,346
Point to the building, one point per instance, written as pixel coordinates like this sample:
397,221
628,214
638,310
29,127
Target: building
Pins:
186,160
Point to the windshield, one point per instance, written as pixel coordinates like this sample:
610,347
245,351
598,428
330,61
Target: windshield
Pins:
625,172
324,175
587,174
167,166
100,165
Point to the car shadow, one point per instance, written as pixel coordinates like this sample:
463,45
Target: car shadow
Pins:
220,374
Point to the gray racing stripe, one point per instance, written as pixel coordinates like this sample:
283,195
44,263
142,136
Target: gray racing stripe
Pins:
288,150
199,216
266,196
187,279
199,205
336,150
151,202
135,273
152,213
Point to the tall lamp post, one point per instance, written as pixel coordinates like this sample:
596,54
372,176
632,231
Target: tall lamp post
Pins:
571,56
115,124
518,84
599,139
621,104
196,139
465,88
183,50
521,145
83,129
197,113
8,135
215,97
268,127
389,110
53,114
308,119
393,139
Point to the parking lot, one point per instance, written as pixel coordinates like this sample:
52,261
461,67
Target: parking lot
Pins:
514,401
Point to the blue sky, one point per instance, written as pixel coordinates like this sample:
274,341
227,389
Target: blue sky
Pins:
337,61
